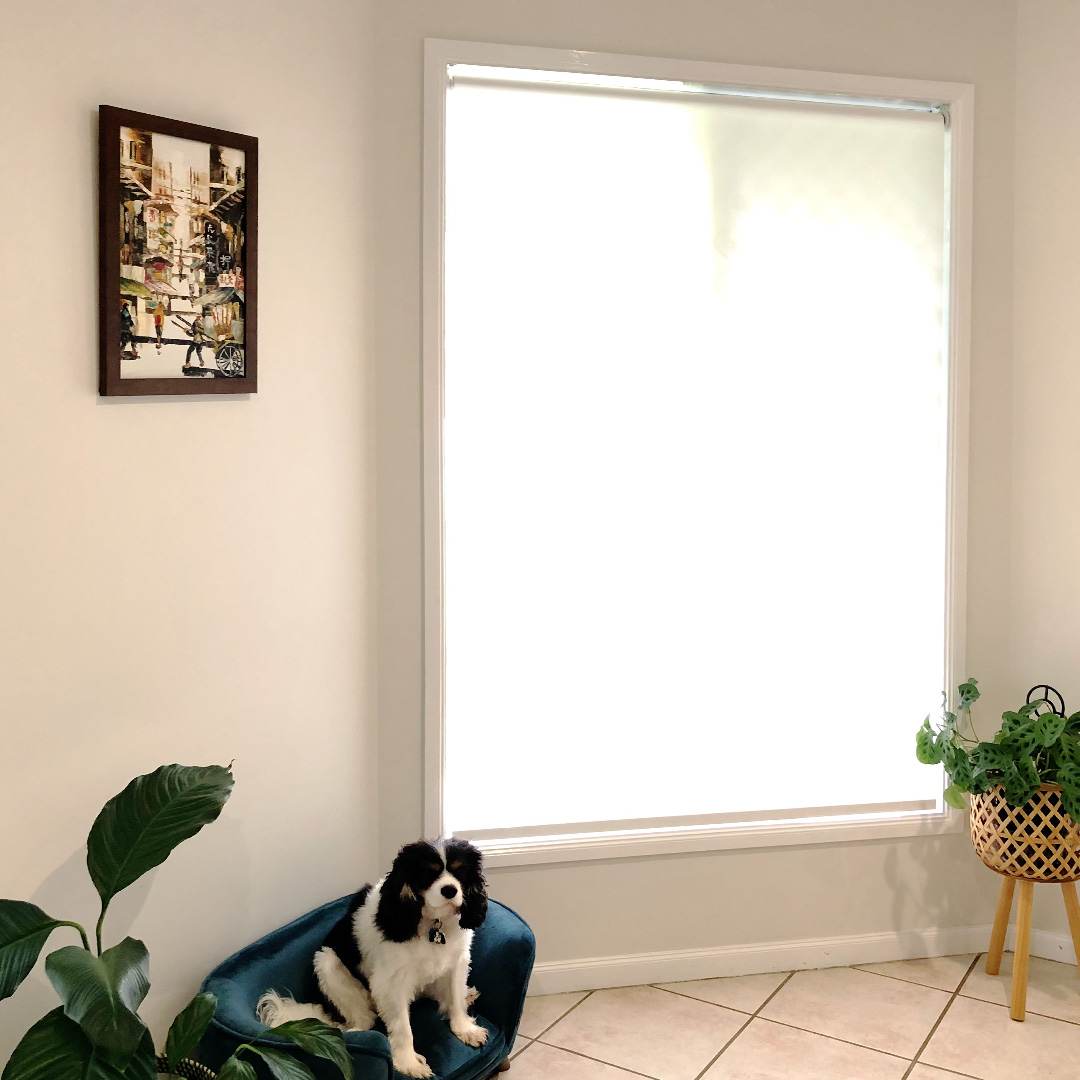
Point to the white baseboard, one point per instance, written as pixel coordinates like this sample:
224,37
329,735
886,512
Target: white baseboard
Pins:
600,972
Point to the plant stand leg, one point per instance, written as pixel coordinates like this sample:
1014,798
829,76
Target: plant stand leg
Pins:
1072,909
1001,926
1018,1000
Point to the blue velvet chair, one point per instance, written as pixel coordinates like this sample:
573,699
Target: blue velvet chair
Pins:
502,959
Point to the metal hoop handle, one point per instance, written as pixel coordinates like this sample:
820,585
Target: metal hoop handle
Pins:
1042,692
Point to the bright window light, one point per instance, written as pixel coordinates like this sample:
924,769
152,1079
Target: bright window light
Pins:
694,455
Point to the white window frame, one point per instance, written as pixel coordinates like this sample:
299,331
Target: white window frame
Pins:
958,101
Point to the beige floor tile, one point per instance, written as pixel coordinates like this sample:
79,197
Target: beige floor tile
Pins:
1053,988
542,1012
884,1014
647,1030
942,972
767,1051
742,992
519,1045
980,1039
540,1062
929,1072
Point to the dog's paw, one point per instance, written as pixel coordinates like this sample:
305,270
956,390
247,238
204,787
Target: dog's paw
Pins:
471,994
413,1064
471,1034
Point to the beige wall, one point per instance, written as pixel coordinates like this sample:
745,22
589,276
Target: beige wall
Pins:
641,905
186,580
1045,599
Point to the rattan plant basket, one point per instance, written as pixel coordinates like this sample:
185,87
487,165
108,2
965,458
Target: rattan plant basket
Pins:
1035,842
186,1070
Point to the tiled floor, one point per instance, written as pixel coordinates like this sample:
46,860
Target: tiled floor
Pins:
936,1019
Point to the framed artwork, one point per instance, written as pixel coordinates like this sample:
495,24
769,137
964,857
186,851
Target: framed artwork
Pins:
179,212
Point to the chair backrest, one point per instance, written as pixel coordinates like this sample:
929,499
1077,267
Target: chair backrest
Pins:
279,961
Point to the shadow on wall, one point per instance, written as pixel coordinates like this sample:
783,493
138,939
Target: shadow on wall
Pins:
932,899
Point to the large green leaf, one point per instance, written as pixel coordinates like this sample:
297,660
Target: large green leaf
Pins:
1021,781
137,829
143,1066
102,993
24,929
189,1027
989,757
235,1069
283,1066
968,693
319,1040
954,796
958,766
926,748
1048,727
56,1048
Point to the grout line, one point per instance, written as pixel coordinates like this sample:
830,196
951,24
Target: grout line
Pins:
749,1020
835,1038
690,997
599,1061
937,1023
896,978
563,1016
526,1043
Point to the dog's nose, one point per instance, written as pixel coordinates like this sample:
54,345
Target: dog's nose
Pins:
449,891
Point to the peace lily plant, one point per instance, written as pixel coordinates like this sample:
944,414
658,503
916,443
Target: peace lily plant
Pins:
96,1033
1033,746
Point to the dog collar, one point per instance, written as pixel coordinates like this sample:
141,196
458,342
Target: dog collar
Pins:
435,934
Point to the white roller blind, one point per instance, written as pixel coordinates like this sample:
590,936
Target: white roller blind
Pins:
694,454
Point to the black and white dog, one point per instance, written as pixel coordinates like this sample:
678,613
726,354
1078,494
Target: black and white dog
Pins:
409,935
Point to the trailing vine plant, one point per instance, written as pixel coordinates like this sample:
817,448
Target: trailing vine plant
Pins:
1034,746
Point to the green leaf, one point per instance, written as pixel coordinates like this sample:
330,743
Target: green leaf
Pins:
968,693
1070,801
138,829
958,766
24,929
283,1066
235,1069
319,1040
954,796
926,748
1047,728
56,1048
102,993
1021,781
188,1028
988,756
143,1066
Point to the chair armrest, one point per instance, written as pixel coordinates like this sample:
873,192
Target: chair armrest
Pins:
503,951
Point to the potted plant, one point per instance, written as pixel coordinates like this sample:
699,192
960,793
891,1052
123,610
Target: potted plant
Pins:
96,1033
1024,784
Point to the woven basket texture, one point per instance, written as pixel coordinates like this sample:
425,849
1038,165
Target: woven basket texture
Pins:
1037,841
188,1070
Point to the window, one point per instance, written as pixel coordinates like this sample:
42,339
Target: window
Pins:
698,369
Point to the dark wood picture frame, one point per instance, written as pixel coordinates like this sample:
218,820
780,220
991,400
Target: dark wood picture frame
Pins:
226,349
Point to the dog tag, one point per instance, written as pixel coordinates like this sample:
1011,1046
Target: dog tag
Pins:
435,934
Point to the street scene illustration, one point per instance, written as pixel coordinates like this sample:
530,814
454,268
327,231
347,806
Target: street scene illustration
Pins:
181,258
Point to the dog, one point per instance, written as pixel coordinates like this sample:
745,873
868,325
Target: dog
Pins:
409,935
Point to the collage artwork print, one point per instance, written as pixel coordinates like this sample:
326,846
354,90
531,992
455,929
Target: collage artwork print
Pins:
181,258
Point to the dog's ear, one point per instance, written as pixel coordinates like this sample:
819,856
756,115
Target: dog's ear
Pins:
466,863
401,900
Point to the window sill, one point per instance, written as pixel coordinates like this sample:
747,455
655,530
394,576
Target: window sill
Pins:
529,851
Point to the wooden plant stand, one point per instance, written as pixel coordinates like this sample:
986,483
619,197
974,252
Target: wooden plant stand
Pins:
1036,842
